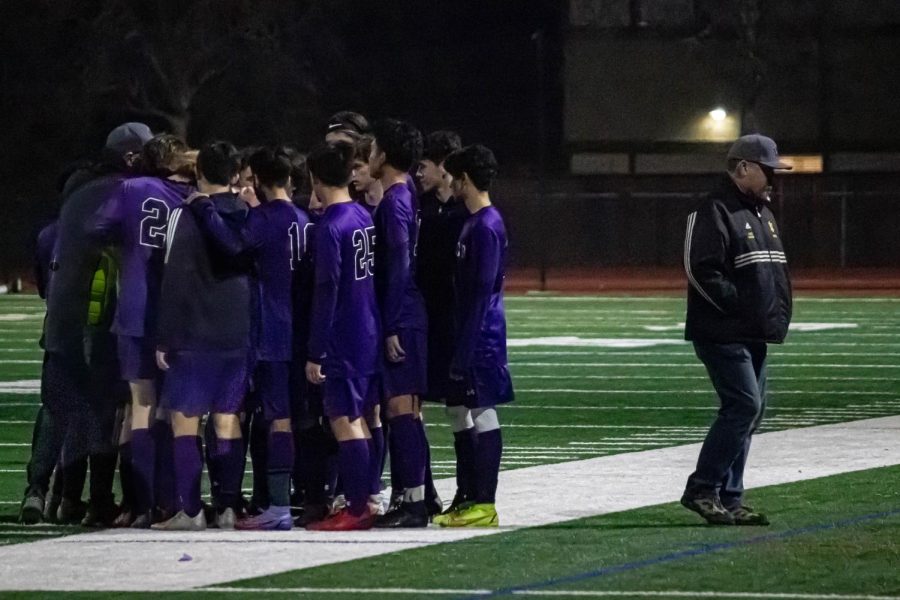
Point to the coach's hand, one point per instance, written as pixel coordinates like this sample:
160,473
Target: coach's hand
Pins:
161,361
393,350
314,373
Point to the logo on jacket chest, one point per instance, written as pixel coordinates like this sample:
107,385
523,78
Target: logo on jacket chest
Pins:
749,231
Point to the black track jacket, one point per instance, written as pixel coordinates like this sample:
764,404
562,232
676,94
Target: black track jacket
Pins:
739,289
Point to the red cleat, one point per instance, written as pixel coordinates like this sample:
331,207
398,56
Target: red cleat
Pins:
343,521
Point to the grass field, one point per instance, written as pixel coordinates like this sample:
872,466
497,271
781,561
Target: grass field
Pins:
603,376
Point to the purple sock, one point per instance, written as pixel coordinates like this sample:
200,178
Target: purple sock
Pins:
188,467
143,462
376,450
229,461
165,466
464,443
280,454
393,454
488,451
410,453
126,479
353,456
209,443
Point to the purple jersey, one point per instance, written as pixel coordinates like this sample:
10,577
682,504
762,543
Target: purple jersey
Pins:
136,218
345,336
480,319
397,231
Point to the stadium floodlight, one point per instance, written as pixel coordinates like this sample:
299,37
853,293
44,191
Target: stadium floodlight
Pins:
718,114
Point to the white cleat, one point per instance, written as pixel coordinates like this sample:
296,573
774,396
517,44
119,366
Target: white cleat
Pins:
182,522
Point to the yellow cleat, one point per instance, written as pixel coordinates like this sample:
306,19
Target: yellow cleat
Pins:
474,515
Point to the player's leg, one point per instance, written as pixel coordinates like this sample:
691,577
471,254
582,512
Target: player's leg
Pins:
465,439
164,474
126,478
731,371
376,458
188,469
143,449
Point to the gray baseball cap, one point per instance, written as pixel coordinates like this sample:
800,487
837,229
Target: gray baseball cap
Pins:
759,149
128,137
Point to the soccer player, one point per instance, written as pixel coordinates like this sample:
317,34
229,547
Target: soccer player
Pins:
136,219
203,337
346,126
274,235
345,335
367,188
442,218
65,376
479,366
396,149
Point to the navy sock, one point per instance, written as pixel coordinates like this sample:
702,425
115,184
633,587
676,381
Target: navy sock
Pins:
126,480
164,479
143,462
188,467
376,450
487,465
410,453
208,446
353,456
228,459
464,443
278,470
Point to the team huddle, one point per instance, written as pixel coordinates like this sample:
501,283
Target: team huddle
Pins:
203,305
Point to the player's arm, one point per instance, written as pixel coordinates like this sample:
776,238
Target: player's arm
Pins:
225,239
706,259
485,251
106,226
325,293
395,237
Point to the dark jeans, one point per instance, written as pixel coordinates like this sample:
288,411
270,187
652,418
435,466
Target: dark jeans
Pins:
738,374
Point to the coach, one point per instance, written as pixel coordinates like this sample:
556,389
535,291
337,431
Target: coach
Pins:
739,300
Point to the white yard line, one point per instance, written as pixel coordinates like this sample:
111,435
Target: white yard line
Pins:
568,491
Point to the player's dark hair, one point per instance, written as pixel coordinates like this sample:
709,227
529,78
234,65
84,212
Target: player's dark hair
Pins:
400,141
218,162
331,163
477,162
271,166
348,122
363,148
163,155
299,170
440,144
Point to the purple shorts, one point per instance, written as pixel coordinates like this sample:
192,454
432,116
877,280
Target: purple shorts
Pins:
350,397
271,383
409,377
482,387
137,357
198,383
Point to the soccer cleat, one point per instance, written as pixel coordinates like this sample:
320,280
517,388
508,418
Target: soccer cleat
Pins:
125,518
410,514
709,507
225,519
274,518
338,504
100,515
395,502
312,513
376,506
51,505
473,515
143,520
445,517
744,515
343,521
70,512
433,503
32,510
182,522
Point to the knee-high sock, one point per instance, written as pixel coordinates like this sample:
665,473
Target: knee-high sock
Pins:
464,443
430,491
280,454
188,468
209,444
353,457
488,451
143,462
165,466
410,455
376,450
310,463
103,473
258,444
393,455
126,479
229,465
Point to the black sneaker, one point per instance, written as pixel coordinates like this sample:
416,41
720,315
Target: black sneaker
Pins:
101,514
744,515
396,501
70,512
709,507
32,510
410,514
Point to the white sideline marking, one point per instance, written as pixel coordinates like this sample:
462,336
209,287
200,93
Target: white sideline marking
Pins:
21,316
799,327
569,491
551,593
575,341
